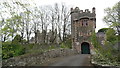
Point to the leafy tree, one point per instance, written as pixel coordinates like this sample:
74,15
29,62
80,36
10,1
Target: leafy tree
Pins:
94,40
112,17
12,21
103,30
110,36
108,52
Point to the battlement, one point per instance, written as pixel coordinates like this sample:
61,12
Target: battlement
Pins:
79,14
77,10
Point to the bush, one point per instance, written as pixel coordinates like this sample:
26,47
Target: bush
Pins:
31,45
16,39
111,37
10,50
107,54
51,47
63,45
67,44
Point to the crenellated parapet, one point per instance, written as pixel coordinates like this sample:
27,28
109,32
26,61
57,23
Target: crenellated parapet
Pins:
79,14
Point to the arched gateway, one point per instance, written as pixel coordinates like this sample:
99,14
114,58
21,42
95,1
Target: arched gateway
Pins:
85,48
83,23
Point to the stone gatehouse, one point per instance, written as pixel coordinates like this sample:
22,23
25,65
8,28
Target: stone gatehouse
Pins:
83,23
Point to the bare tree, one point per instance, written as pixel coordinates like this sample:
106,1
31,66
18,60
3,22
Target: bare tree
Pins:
65,14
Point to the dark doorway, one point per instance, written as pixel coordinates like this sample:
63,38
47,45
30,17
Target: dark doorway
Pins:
85,48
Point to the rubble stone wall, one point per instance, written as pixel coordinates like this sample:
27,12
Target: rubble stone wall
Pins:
33,59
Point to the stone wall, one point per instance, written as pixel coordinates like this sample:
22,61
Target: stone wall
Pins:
33,59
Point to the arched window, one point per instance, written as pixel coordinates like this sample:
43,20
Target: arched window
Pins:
86,22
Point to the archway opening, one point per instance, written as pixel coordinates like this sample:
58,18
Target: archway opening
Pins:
85,48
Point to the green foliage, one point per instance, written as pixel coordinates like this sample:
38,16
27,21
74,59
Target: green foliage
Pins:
17,39
31,45
63,45
94,40
11,26
103,30
110,36
112,16
51,47
106,54
11,49
111,40
67,44
118,37
23,40
112,19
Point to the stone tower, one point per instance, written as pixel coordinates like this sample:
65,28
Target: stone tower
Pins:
83,23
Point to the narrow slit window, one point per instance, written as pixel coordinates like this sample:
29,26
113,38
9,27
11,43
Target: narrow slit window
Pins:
86,23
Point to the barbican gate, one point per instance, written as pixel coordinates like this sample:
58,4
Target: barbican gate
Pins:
83,23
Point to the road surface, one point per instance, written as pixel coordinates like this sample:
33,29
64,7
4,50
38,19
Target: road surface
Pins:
77,60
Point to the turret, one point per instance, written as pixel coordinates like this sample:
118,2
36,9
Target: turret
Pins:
93,10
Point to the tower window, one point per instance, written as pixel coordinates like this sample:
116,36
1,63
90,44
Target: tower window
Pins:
82,23
86,23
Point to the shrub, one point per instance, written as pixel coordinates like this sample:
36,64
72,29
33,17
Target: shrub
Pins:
66,44
16,39
51,47
31,45
63,46
11,50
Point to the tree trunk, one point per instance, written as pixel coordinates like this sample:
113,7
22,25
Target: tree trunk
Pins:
21,39
4,39
36,37
64,30
27,37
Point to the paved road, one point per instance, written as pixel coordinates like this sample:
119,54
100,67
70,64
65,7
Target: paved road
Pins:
78,60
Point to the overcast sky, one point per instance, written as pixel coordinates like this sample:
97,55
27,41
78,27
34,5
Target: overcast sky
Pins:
85,4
